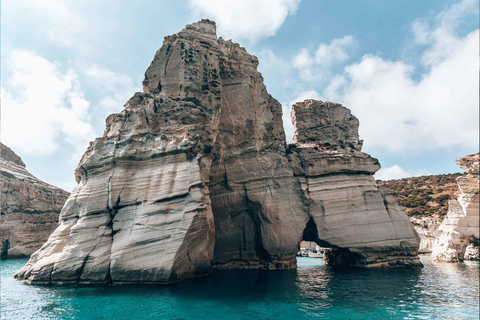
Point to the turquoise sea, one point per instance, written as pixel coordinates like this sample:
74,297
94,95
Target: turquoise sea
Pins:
313,291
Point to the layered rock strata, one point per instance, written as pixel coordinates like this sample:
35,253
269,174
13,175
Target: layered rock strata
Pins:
141,211
347,210
459,232
29,207
194,174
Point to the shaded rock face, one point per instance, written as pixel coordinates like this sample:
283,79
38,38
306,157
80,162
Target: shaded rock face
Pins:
29,207
458,237
252,186
194,174
346,208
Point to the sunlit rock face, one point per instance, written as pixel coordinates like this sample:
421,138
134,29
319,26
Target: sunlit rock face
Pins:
141,211
459,232
427,230
194,174
346,208
29,207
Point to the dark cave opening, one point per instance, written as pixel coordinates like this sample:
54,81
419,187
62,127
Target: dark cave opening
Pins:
311,245
310,234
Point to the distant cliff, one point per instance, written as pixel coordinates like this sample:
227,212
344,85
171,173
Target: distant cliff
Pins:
29,207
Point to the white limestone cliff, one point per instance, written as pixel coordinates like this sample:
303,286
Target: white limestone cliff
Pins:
460,229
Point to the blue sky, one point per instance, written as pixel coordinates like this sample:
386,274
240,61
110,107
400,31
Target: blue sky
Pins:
407,69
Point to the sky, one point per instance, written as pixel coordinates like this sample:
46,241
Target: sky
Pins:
407,69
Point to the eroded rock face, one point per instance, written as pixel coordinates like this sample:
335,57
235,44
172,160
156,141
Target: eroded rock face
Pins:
194,174
141,211
29,207
472,252
460,229
325,123
252,186
346,208
427,229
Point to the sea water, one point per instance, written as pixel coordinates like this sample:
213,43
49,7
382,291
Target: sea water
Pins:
313,291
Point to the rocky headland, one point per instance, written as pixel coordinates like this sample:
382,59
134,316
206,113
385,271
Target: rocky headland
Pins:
458,237
195,174
29,207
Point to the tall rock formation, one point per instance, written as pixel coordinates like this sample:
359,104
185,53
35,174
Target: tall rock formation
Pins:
459,233
194,174
29,207
252,186
346,208
141,211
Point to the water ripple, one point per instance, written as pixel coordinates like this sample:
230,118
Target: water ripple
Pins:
313,291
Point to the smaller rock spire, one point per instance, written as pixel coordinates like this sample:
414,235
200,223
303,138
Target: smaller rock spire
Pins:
325,123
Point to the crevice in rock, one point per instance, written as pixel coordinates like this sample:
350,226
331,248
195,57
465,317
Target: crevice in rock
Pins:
173,197
254,210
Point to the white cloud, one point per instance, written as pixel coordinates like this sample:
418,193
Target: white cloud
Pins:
397,172
245,19
117,88
399,113
303,59
56,18
313,66
336,51
440,33
287,107
41,104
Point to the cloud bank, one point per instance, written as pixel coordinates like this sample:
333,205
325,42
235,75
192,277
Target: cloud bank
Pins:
314,66
245,19
405,107
41,103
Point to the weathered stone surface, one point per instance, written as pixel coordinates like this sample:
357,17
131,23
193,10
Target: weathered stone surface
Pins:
29,207
194,174
472,252
427,229
470,164
460,229
331,122
252,186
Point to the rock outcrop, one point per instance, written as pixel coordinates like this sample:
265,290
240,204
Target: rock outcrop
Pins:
194,174
29,207
347,210
427,229
459,232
